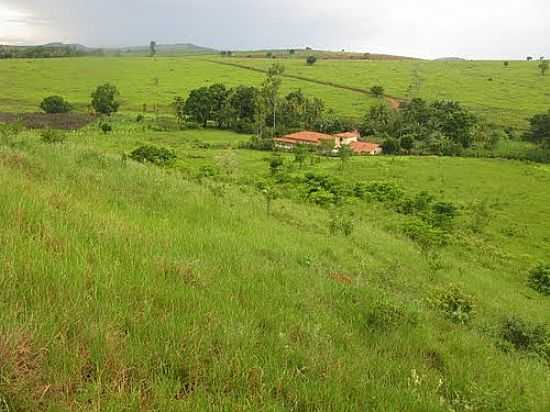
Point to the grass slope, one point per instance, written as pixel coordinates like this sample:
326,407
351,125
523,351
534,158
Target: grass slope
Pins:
76,78
127,287
505,95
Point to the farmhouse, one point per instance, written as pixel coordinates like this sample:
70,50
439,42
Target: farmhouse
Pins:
350,139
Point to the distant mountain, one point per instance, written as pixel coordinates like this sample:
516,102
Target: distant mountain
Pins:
75,46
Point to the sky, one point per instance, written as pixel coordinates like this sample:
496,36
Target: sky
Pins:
476,29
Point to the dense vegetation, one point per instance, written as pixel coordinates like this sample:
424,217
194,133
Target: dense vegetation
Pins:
42,52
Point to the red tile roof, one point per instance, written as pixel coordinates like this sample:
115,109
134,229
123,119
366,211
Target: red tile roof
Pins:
364,147
304,137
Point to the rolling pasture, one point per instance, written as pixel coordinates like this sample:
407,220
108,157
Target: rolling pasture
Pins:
507,96
129,286
142,81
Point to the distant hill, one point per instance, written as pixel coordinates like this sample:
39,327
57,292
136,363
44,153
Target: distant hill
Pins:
321,54
450,59
165,49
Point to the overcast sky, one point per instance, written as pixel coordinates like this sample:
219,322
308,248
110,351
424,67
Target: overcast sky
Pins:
420,28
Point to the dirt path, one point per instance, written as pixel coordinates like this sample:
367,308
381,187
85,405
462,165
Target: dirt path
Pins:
393,101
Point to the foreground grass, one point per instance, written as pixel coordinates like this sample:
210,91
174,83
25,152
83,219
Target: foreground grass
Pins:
125,287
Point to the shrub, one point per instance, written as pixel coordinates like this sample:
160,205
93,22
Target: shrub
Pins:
377,91
378,191
106,128
527,337
104,99
159,156
276,164
425,235
341,222
386,315
311,60
454,303
140,118
539,279
52,136
443,214
55,104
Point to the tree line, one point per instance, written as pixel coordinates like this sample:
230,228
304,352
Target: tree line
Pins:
44,52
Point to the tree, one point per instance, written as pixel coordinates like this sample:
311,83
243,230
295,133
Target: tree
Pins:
407,143
276,164
378,120
198,106
391,146
539,130
311,60
301,152
292,52
506,63
153,48
326,147
345,153
218,95
270,90
454,121
529,58
377,91
104,99
55,104
543,66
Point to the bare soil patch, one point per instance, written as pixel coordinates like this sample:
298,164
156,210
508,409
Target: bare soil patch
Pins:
64,121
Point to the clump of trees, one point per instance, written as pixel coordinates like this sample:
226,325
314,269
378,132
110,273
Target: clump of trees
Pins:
55,104
247,109
539,129
105,99
44,52
441,127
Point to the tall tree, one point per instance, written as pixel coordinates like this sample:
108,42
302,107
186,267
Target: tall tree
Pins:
270,90
153,48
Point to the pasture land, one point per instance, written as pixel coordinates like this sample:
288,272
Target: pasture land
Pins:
507,96
142,81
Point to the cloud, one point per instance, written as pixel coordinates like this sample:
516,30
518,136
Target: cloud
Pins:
425,28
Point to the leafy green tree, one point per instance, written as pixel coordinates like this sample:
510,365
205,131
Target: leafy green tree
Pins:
379,119
218,95
276,164
153,48
55,104
269,193
544,66
377,91
345,153
313,112
292,52
311,60
539,129
407,143
270,91
198,106
391,146
104,99
301,151
454,121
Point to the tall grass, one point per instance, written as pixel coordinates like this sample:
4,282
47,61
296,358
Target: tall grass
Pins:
127,287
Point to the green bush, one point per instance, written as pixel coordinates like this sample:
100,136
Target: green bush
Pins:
104,99
55,104
454,303
159,156
52,136
377,91
539,279
525,336
106,128
341,222
443,214
425,235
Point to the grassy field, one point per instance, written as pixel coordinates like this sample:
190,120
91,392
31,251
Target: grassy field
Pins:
506,95
131,287
27,82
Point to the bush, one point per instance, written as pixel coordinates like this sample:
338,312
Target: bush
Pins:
140,118
104,99
52,136
311,60
378,191
425,235
377,91
527,337
443,214
454,303
341,222
391,146
539,279
159,156
106,128
55,104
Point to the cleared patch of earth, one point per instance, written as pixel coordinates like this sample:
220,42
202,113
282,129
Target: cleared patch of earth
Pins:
65,121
